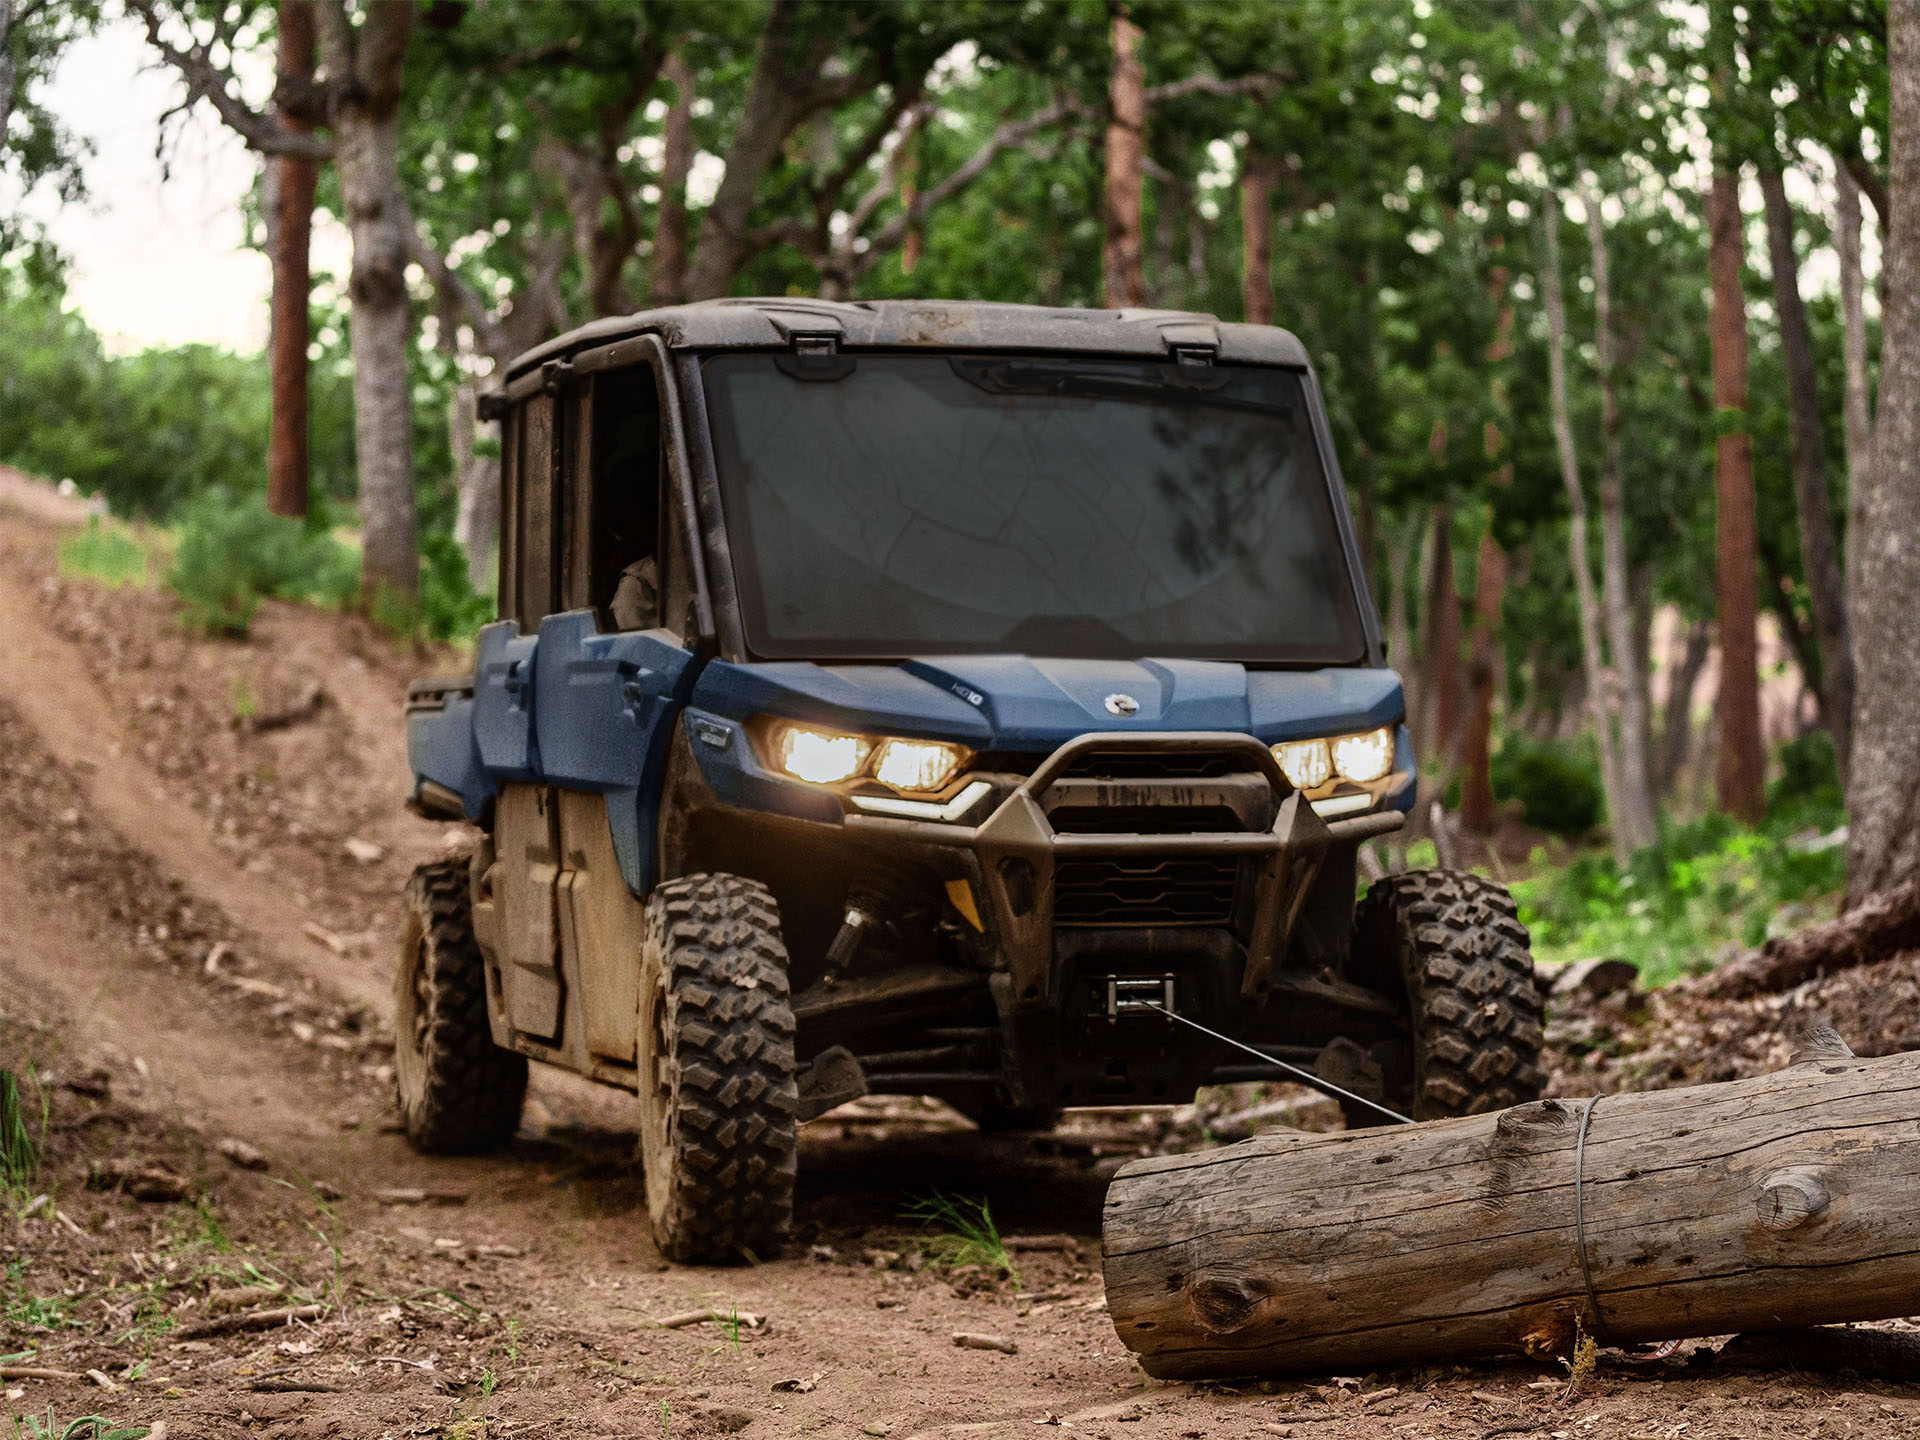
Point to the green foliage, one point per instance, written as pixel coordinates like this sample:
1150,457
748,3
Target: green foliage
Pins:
1556,783
87,1427
106,553
19,1151
962,1233
234,552
450,608
1703,891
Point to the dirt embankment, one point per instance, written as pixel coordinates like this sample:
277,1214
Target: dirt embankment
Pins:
199,865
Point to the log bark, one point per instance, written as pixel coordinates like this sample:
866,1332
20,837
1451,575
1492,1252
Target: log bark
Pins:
1774,1202
1740,765
1881,925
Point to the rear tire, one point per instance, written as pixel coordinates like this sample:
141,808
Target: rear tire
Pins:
716,1068
458,1092
1450,949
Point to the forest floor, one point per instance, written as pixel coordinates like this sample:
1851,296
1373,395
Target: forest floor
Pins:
201,850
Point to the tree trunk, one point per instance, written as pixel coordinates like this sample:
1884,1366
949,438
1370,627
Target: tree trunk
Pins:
1884,581
1819,554
1478,812
8,73
476,521
676,160
366,131
1878,928
1122,261
1400,561
1859,400
1740,764
1781,1200
1676,733
296,179
1444,688
1592,661
1633,822
1256,230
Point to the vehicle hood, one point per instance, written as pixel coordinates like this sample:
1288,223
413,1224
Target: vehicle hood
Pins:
1016,702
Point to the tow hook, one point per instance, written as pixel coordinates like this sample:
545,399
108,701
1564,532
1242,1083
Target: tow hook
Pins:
1137,995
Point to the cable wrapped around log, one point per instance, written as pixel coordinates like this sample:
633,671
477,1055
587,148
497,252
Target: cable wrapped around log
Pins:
1779,1201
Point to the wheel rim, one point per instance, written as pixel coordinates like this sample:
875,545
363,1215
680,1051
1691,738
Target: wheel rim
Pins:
655,1087
413,1007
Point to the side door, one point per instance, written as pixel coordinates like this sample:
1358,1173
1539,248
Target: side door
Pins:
614,673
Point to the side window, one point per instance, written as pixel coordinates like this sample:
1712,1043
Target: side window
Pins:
536,592
624,567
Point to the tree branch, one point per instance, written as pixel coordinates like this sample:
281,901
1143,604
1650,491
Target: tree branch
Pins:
1869,181
208,80
1212,85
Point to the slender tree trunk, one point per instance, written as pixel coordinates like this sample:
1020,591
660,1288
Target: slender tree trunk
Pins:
296,179
1884,578
1591,659
1819,553
1444,680
7,71
1477,810
1400,561
476,523
670,225
1256,230
1122,261
1633,820
366,129
1740,765
1858,409
1676,733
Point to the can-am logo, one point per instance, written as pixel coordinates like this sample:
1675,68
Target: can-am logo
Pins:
1121,704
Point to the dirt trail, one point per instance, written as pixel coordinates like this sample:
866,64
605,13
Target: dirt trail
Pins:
146,823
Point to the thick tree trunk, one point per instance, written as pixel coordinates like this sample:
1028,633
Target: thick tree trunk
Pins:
1478,812
1592,660
1740,762
1122,260
1633,822
1884,577
366,130
1676,732
676,160
1257,173
1781,1200
296,178
1819,553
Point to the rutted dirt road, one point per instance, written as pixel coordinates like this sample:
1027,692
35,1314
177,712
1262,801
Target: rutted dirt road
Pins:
199,870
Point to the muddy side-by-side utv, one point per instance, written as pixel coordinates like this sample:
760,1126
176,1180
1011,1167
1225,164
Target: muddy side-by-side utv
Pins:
925,698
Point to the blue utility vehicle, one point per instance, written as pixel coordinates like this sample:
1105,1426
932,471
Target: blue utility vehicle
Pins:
925,698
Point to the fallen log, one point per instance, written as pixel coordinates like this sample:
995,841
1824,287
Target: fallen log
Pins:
1827,1350
1775,1202
1878,927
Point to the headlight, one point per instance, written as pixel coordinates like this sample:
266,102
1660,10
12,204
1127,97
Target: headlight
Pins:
1306,762
819,756
1364,757
916,764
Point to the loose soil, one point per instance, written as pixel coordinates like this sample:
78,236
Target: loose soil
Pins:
199,870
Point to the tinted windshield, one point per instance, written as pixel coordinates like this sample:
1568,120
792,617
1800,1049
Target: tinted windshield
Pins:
920,504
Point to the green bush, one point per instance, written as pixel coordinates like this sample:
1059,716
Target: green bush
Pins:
233,552
1558,785
1808,790
105,553
450,608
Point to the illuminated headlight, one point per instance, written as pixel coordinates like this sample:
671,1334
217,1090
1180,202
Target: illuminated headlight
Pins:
916,764
820,756
1306,762
1364,757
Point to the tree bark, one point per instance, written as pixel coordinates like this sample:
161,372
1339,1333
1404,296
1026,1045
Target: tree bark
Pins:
297,177
1884,579
1819,552
1478,812
1257,173
1444,689
1780,1200
676,161
365,67
1859,400
476,521
1676,732
1123,264
1633,821
1740,762
8,72
1592,660
1878,928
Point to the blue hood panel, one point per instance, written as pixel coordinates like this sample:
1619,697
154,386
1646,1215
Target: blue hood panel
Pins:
1014,702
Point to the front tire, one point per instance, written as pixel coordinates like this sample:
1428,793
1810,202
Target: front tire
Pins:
458,1092
716,1069
1449,947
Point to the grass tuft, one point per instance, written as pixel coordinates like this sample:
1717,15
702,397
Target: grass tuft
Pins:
963,1233
19,1152
104,553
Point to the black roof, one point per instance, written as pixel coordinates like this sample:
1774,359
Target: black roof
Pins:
772,322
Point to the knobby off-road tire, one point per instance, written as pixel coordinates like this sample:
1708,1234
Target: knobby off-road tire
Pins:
1450,948
458,1092
716,1069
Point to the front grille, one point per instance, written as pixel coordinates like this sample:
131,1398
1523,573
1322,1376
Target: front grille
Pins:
1180,890
1157,765
1146,820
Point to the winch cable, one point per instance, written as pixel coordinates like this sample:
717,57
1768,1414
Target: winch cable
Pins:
1307,1077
